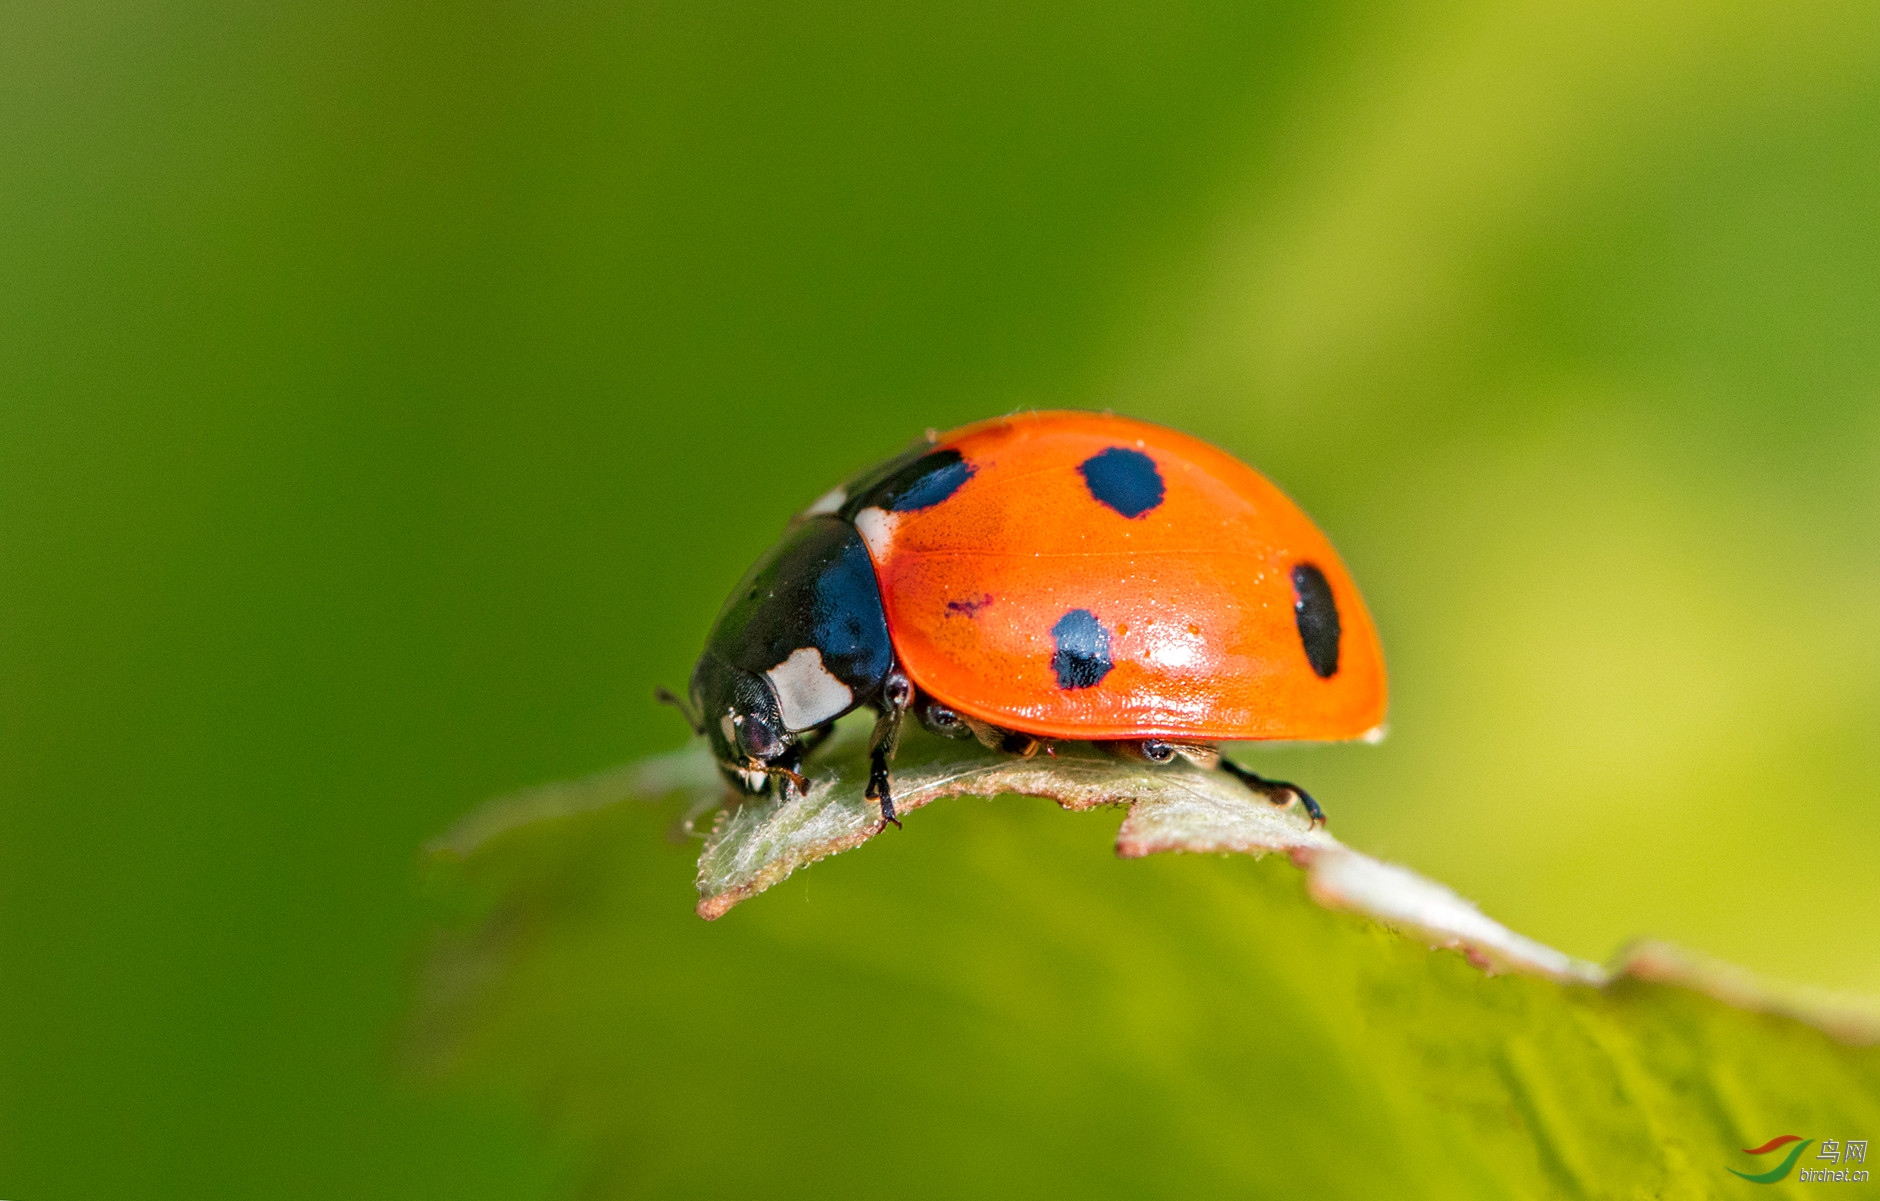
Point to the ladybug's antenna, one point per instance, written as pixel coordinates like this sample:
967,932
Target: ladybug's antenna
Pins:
665,697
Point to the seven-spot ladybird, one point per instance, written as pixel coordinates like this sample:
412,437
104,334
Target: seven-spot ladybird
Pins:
1038,578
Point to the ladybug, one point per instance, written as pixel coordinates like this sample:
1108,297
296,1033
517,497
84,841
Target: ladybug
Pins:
1041,578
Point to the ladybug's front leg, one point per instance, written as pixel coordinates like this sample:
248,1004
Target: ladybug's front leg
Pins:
808,741
897,693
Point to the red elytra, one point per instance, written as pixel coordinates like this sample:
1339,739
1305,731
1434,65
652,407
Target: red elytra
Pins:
1100,578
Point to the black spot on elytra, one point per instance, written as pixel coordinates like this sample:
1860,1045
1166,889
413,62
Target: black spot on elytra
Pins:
1083,649
923,483
1317,616
1124,479
969,608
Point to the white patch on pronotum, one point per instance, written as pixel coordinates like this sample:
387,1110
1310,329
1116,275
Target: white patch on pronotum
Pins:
807,694
876,527
1375,734
828,502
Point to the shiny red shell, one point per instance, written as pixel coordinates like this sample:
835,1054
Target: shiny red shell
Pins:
1195,596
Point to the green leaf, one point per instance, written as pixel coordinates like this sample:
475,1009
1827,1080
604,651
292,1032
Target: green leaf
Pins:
983,1003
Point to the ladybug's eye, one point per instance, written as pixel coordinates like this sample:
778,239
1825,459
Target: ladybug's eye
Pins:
755,737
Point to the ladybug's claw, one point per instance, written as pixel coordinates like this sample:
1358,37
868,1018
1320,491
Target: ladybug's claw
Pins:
878,792
1312,807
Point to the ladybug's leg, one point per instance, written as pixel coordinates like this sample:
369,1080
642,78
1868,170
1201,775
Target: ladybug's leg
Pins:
1156,750
809,740
1010,741
941,720
1277,791
878,788
897,693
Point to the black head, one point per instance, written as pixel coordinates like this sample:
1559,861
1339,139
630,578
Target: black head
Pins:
802,641
742,720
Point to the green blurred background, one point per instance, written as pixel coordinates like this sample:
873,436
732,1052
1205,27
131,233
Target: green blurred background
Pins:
390,392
